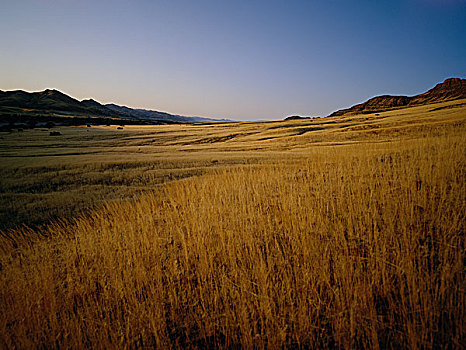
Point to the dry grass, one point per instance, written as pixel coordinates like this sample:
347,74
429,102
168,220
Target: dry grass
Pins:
44,177
355,241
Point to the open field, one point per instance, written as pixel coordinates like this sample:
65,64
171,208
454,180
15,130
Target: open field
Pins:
44,177
335,232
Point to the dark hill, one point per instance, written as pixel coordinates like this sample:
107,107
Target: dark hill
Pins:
44,100
53,103
295,117
450,89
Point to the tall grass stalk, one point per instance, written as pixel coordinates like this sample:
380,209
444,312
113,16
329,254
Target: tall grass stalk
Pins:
347,247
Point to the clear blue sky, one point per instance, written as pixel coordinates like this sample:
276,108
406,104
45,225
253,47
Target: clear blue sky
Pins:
238,59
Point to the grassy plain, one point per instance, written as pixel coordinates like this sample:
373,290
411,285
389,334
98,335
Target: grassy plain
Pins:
345,231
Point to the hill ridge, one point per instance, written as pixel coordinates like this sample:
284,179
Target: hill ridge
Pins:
53,101
449,89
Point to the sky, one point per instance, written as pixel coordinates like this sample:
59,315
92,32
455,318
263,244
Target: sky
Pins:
236,59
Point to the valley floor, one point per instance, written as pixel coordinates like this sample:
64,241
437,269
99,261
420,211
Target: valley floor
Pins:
344,231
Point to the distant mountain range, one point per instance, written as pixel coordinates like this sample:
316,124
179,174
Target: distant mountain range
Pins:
57,106
53,106
450,89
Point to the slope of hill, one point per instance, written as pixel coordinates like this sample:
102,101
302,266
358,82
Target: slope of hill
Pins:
53,102
47,100
450,89
145,114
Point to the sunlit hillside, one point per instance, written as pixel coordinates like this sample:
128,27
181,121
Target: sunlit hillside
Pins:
335,232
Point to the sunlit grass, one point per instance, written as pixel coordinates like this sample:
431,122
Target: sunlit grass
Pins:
353,241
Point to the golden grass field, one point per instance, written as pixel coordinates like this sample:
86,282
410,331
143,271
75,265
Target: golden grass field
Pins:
335,232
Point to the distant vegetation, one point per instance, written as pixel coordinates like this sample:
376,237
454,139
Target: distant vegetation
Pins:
317,233
296,117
